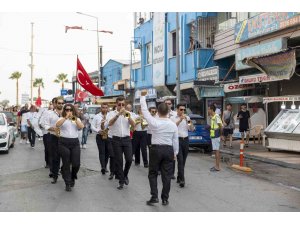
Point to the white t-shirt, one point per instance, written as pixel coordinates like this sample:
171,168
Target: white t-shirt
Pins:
69,129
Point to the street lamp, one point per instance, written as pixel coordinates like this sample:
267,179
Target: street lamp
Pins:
97,31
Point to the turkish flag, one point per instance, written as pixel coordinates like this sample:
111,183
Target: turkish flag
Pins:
85,81
80,96
38,102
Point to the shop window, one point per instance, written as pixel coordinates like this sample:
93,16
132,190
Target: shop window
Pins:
148,53
173,44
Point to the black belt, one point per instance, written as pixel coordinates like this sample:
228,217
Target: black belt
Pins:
183,138
161,145
120,138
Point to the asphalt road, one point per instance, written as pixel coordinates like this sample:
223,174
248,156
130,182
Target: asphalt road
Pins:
25,186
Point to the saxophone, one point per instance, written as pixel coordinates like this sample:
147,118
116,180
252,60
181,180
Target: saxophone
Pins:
144,123
104,133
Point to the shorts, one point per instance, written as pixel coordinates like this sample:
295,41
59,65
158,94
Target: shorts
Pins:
227,131
216,144
244,129
24,128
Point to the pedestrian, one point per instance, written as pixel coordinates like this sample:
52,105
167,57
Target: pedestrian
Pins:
120,121
153,112
184,125
24,124
140,139
218,110
50,125
98,126
68,144
31,132
85,131
228,124
164,149
244,123
215,133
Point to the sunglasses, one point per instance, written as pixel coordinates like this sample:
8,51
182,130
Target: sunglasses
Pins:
153,112
121,104
68,110
60,103
181,109
169,103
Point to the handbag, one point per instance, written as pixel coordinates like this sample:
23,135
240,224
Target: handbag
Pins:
227,121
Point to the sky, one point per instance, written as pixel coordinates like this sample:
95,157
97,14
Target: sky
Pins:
54,50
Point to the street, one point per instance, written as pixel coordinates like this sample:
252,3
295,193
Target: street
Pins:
25,186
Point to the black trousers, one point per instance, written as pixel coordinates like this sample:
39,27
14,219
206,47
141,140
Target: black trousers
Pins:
69,150
54,156
181,157
149,137
31,136
112,166
161,157
46,141
102,145
140,144
122,146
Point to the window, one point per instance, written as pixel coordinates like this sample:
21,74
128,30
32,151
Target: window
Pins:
148,53
226,20
173,44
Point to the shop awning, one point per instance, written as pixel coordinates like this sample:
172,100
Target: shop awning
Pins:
185,86
244,99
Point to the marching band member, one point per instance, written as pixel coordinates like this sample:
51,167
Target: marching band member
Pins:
164,149
184,125
140,139
120,121
68,144
102,136
50,125
153,112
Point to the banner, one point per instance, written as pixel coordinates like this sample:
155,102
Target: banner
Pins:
257,78
158,49
280,65
85,81
232,87
80,96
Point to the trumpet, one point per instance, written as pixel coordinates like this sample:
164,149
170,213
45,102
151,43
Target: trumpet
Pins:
144,124
73,119
189,122
127,115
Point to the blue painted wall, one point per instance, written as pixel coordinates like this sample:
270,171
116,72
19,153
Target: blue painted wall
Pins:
112,72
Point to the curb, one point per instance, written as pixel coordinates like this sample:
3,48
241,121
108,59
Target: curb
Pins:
262,159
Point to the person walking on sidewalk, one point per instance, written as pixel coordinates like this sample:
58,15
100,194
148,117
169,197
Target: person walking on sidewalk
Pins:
23,124
31,133
85,130
215,133
164,149
245,123
228,124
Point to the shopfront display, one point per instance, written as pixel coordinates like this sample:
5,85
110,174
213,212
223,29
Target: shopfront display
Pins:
284,132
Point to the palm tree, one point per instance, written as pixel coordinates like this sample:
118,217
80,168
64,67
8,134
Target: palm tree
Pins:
61,78
38,82
16,76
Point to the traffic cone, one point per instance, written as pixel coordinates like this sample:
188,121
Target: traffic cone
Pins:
241,166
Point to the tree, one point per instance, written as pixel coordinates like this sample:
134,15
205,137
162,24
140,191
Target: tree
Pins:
4,103
61,78
16,76
38,82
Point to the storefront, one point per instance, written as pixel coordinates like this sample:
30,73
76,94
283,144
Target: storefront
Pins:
150,97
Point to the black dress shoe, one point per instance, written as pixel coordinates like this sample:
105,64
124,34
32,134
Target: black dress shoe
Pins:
50,175
72,183
120,187
146,166
106,171
111,176
54,180
173,177
152,201
165,202
103,171
68,187
126,180
182,183
178,181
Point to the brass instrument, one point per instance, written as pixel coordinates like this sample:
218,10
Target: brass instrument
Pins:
104,134
144,124
73,119
127,115
189,122
142,121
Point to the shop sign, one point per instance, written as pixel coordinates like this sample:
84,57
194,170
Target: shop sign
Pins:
257,78
257,50
265,23
211,73
281,99
279,65
151,93
158,49
232,87
211,92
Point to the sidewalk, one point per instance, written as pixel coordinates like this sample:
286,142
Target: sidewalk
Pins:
260,153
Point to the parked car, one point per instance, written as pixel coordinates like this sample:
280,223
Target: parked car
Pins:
7,136
11,119
200,137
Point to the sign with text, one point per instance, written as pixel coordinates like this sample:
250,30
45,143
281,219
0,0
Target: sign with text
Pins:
158,49
257,50
151,93
204,83
279,65
265,23
211,73
63,92
257,78
232,87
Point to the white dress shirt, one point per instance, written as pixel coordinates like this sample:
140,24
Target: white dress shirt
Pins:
183,127
171,113
30,116
121,127
164,131
149,131
50,120
69,129
42,121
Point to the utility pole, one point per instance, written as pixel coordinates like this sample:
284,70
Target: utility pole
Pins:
31,65
177,60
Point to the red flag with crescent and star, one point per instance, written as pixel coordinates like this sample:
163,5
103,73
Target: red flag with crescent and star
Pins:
80,96
85,81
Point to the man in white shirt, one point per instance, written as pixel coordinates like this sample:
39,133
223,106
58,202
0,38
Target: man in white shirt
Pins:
184,125
153,112
120,121
164,149
31,133
97,126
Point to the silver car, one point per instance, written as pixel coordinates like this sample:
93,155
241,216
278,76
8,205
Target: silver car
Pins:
7,134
